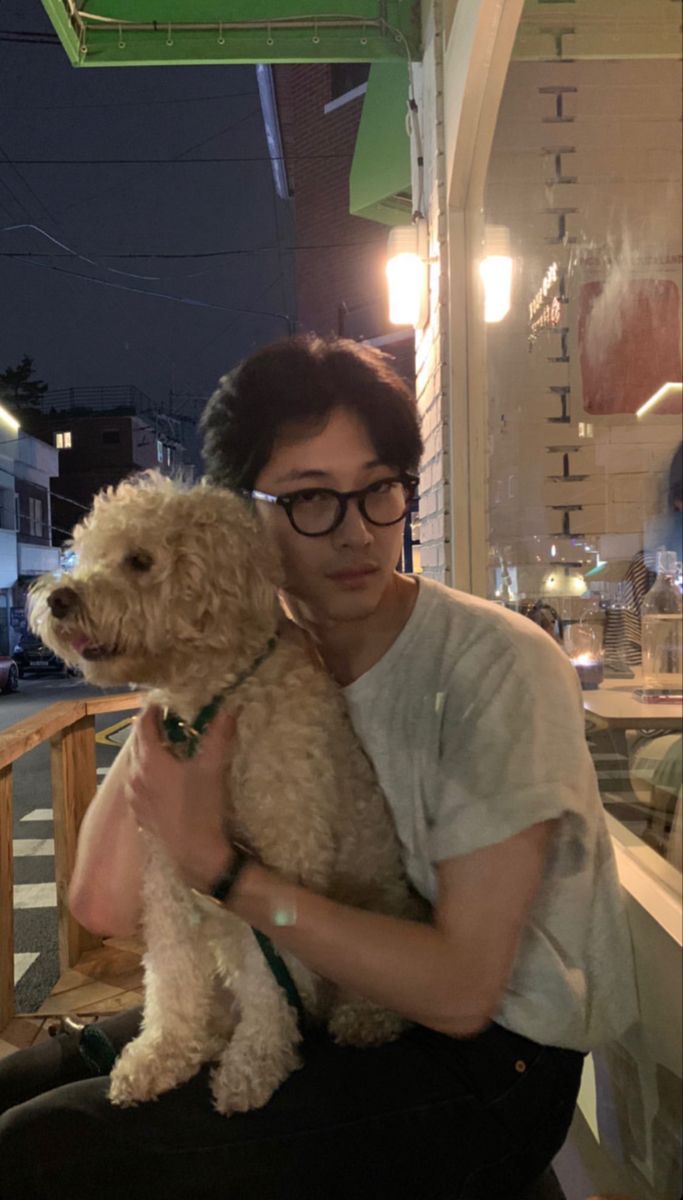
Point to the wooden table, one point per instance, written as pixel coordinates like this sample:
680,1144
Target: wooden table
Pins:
614,706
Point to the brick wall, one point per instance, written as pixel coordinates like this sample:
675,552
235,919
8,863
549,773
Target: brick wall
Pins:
340,258
431,343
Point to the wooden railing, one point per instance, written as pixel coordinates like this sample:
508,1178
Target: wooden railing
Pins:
70,728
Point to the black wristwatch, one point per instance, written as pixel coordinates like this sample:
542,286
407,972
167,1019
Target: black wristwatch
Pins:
222,887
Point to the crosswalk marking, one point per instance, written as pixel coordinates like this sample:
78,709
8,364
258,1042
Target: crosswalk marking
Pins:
22,962
33,847
115,735
35,895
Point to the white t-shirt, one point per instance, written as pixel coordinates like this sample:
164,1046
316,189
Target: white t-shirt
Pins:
474,722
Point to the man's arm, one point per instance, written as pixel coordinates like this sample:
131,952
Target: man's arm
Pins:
188,798
448,976
105,889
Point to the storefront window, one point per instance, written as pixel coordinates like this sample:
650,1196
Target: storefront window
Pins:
580,269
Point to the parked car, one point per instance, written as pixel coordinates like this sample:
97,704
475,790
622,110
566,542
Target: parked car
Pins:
9,674
30,654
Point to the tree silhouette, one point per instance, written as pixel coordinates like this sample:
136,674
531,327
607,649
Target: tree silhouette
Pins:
17,386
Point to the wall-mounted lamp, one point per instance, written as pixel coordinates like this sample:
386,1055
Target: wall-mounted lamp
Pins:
407,274
662,393
496,273
7,419
563,581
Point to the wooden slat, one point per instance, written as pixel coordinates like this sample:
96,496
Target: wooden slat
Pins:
70,726
74,783
122,702
25,735
6,900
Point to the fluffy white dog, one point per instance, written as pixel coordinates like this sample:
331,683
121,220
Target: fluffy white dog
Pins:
175,591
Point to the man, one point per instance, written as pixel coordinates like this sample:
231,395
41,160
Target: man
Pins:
473,720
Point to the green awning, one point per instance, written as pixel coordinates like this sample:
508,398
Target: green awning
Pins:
379,187
110,33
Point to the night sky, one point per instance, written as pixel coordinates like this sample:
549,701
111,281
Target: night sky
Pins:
80,332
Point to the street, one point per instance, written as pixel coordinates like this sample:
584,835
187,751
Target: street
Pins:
35,915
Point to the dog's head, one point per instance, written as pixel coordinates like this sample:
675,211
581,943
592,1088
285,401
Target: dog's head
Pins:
169,579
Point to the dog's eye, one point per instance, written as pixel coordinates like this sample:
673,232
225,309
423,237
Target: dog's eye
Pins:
140,561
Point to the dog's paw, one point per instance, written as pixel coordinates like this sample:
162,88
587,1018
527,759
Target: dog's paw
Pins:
145,1072
360,1023
240,1095
239,1084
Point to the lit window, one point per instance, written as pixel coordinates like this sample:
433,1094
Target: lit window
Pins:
35,516
160,451
63,440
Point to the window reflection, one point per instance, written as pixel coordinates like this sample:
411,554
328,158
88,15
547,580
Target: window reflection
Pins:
584,382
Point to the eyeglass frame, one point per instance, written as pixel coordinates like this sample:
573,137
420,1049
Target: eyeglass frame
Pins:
287,500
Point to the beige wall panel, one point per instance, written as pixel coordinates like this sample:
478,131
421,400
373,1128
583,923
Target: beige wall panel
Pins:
589,491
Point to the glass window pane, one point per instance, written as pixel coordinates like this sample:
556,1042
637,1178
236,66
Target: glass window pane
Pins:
580,293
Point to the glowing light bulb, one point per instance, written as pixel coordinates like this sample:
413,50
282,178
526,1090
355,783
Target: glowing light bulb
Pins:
405,275
496,274
7,419
406,269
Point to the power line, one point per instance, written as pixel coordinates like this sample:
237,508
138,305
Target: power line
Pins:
233,324
26,39
120,186
74,253
7,160
121,287
19,203
127,103
225,129
152,162
194,254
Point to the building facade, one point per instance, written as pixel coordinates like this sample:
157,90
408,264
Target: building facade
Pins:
26,551
546,191
548,135
101,436
339,256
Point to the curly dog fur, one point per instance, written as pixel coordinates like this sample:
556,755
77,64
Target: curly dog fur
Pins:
175,590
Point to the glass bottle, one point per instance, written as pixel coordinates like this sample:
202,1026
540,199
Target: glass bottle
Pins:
661,615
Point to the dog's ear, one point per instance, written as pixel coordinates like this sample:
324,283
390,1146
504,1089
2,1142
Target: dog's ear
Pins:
239,531
225,565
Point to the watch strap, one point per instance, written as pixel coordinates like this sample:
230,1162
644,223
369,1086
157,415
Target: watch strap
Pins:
223,886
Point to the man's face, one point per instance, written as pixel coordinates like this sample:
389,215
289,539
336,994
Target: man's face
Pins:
342,575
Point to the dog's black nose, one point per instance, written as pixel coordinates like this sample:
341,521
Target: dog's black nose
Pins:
62,601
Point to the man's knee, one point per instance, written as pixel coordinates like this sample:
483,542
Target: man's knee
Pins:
20,1145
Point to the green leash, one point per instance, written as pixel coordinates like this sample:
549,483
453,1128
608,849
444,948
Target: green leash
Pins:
281,974
179,732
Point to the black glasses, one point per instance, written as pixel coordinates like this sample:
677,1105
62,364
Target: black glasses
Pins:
317,511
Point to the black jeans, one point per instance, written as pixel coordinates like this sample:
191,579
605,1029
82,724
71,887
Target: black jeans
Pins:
427,1117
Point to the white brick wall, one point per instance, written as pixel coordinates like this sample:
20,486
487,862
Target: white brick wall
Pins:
431,341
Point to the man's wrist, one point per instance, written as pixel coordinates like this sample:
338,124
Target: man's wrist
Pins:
262,898
222,885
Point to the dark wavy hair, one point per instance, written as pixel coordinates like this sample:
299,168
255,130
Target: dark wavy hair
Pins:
294,385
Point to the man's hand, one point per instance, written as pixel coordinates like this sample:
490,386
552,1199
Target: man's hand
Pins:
180,801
